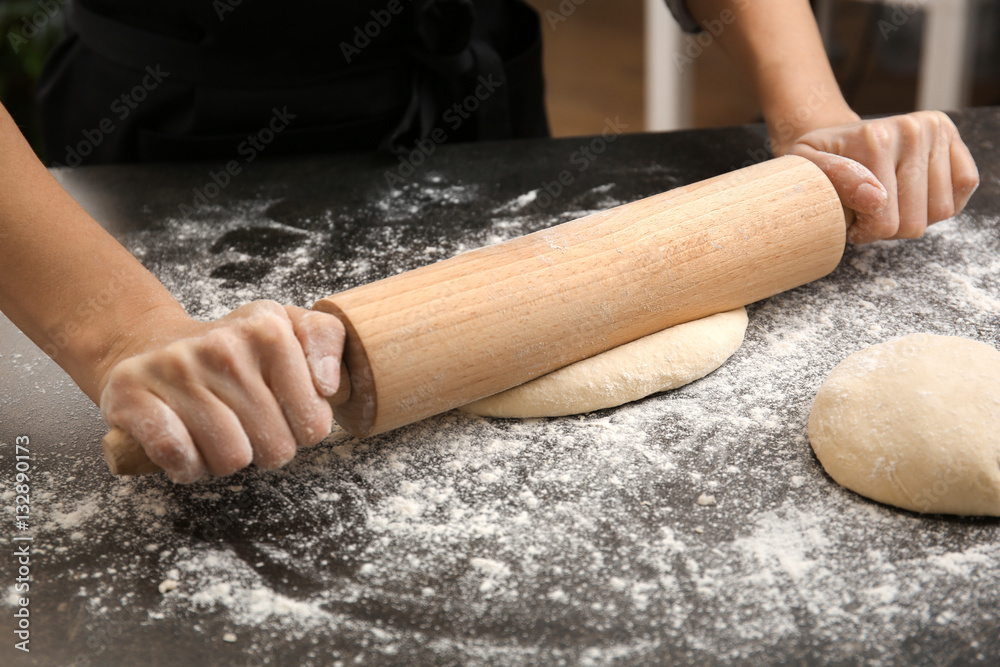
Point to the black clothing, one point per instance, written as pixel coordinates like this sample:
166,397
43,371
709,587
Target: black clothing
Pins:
192,79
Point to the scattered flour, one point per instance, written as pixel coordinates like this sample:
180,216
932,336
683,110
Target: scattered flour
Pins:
464,540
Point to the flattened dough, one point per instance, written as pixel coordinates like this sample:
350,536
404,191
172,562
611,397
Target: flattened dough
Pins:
915,423
658,362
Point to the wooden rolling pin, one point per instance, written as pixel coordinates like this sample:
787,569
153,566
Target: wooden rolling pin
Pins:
432,339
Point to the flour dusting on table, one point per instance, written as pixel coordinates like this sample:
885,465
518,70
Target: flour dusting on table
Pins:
461,535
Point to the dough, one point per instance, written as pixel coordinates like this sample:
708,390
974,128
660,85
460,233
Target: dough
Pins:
915,423
661,361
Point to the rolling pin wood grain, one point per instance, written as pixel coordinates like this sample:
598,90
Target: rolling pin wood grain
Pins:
432,339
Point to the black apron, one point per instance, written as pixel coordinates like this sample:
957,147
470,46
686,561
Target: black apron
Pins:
190,79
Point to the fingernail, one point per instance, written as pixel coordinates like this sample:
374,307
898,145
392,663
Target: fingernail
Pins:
328,375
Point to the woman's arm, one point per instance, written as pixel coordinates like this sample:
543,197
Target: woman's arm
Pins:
200,396
916,169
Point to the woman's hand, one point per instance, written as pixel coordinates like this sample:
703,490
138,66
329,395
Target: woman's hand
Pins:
899,174
212,397
201,397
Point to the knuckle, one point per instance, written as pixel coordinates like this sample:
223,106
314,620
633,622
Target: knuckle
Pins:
153,433
877,136
270,331
337,329
172,364
940,122
270,306
258,308
884,227
931,118
125,376
218,350
327,321
247,321
911,128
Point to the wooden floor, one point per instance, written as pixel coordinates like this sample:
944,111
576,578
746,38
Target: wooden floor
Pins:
594,69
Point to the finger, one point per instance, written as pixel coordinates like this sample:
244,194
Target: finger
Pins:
322,338
272,440
237,382
912,198
940,188
879,155
161,433
215,429
964,173
180,375
916,133
126,404
287,374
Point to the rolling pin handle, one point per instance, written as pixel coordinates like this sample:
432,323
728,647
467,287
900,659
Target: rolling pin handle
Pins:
125,456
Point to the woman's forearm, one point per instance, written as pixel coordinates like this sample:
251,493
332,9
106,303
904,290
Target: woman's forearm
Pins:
777,44
64,281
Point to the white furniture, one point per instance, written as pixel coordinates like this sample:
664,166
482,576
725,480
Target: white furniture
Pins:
668,87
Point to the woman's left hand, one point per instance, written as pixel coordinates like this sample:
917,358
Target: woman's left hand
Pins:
898,174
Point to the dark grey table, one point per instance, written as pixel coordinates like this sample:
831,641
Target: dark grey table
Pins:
462,540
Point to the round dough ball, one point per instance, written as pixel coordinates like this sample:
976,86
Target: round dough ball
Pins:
915,423
658,362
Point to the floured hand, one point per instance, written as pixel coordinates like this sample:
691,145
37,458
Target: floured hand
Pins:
213,397
899,174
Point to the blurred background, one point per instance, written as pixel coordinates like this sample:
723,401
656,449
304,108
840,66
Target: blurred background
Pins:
29,29
597,60
599,56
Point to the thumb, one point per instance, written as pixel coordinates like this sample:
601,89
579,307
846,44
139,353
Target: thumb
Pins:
322,338
857,187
